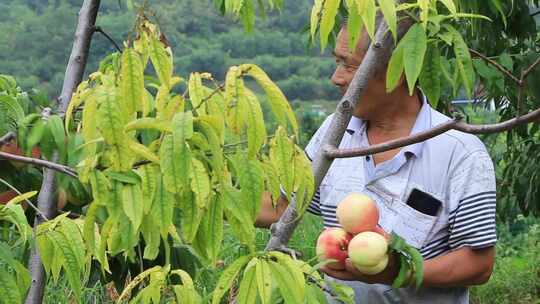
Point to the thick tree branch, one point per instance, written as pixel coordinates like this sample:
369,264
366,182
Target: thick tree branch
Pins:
40,163
375,60
73,77
333,152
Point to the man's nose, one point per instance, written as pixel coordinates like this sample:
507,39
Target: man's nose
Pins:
338,78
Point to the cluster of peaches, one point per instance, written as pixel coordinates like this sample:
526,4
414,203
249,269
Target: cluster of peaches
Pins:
361,239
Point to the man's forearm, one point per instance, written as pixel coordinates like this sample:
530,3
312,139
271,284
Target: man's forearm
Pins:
270,214
463,267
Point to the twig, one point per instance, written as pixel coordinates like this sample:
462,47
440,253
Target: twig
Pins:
214,92
522,82
531,68
496,65
7,138
535,13
40,163
332,152
111,40
26,200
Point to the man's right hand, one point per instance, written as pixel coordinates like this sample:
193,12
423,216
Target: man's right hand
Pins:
270,214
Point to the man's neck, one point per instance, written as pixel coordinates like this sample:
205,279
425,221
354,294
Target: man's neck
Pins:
397,119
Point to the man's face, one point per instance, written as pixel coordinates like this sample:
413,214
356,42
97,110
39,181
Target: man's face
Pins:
347,63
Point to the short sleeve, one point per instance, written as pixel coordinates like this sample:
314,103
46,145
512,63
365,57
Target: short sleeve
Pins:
311,150
473,198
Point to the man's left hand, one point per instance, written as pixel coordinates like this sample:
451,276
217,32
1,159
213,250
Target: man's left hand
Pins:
350,273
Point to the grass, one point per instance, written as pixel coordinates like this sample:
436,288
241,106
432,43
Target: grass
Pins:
516,277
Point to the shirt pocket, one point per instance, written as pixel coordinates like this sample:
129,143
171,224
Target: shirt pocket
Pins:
412,225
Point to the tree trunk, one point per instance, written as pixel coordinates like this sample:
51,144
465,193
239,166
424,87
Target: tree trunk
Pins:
73,76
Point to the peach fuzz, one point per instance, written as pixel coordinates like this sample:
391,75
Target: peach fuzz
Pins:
357,213
333,244
367,249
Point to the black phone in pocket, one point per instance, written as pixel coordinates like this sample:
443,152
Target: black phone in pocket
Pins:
423,202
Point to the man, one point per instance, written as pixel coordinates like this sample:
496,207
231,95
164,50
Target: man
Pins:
439,195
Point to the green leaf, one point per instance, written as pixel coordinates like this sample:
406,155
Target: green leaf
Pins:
237,217
200,182
136,281
69,257
161,59
143,151
282,156
343,293
430,79
191,216
34,136
9,293
264,280
354,24
251,179
395,69
278,102
464,63
403,271
247,292
56,127
329,11
388,8
186,292
235,100
162,207
149,123
210,234
287,287
73,236
368,10
132,202
195,90
256,131
227,278
175,166
149,182
418,263
132,81
150,229
315,18
21,273
450,5
414,50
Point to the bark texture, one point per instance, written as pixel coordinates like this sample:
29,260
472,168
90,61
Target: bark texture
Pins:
73,76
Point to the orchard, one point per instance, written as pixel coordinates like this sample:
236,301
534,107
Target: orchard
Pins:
138,184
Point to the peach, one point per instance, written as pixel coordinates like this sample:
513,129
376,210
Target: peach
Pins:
378,229
357,213
333,244
367,249
371,270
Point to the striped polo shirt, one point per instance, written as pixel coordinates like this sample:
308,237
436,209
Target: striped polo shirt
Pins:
453,168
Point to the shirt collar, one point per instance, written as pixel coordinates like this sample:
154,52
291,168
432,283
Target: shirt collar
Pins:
422,123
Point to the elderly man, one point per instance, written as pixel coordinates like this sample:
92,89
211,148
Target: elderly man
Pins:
439,195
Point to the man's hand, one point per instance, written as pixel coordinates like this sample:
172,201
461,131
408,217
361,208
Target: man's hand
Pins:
350,273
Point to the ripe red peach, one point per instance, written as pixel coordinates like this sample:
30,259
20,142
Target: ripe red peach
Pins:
333,244
357,213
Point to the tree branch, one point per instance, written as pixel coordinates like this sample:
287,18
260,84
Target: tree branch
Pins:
497,65
73,77
40,163
375,59
100,30
333,152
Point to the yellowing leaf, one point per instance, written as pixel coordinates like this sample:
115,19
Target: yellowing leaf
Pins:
368,10
256,131
143,151
149,123
388,8
200,183
195,89
316,14
161,58
354,24
329,11
132,202
132,81
278,102
227,278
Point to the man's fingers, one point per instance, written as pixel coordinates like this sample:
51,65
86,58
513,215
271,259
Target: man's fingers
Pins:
338,274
